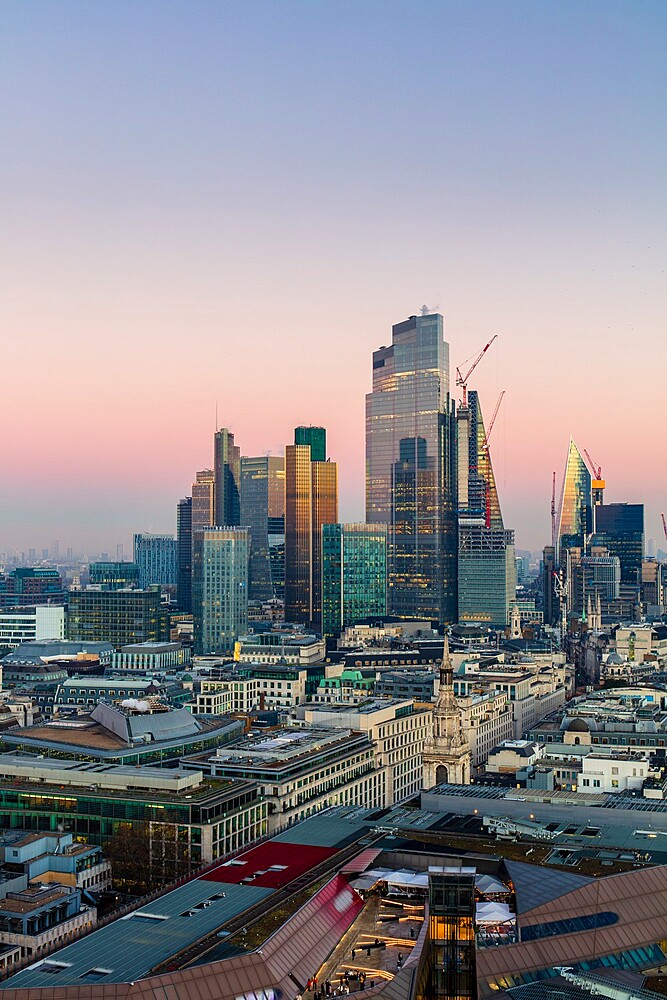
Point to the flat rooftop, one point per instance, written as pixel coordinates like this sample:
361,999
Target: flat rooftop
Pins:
128,948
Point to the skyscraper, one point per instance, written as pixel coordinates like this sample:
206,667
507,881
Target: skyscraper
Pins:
619,527
219,587
311,500
316,437
574,521
487,567
156,558
410,469
203,500
184,543
263,511
227,475
354,574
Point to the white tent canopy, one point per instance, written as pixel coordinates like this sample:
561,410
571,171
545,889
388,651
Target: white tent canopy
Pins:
494,913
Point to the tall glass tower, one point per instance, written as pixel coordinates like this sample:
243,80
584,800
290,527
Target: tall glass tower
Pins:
574,522
227,474
263,511
354,574
410,469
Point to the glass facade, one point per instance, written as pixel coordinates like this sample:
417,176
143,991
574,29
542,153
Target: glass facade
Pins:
227,476
263,511
354,574
410,468
487,574
203,508
574,521
619,527
114,575
452,936
121,617
316,437
184,543
311,500
156,556
220,588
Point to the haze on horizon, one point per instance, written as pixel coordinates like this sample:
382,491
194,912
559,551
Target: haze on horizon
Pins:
227,203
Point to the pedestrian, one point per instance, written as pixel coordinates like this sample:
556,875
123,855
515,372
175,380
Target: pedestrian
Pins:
368,951
353,954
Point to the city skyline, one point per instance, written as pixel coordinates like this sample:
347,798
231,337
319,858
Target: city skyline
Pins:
220,206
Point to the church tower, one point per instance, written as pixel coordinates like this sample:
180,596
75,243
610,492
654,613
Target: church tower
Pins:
446,756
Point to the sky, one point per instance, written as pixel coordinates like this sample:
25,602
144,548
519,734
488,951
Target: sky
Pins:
213,203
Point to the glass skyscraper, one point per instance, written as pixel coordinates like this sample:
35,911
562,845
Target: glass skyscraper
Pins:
487,567
219,588
354,574
574,522
311,500
263,511
203,506
227,475
410,469
184,542
157,558
619,527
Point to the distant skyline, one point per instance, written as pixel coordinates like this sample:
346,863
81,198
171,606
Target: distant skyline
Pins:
217,203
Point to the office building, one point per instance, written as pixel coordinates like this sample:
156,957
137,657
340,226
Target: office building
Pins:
574,519
300,771
354,574
156,558
311,500
397,729
220,587
486,559
227,478
25,586
206,817
120,617
184,555
550,605
203,500
619,527
114,575
316,437
37,622
263,511
410,473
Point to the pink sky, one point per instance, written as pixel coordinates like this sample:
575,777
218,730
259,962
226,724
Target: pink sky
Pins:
234,205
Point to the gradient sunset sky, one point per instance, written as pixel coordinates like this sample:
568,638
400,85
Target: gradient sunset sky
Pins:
232,202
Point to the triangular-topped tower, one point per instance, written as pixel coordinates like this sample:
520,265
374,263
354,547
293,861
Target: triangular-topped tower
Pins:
446,755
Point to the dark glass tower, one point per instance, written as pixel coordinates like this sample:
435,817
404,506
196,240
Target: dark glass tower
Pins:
184,541
227,475
410,468
316,437
619,527
263,511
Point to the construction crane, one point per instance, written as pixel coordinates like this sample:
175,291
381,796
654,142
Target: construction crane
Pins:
598,483
485,443
553,509
485,452
462,380
664,525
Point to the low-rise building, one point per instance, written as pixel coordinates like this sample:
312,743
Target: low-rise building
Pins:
43,916
139,732
397,728
55,857
280,646
151,657
277,685
200,817
30,624
486,719
512,755
619,772
300,771
84,693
